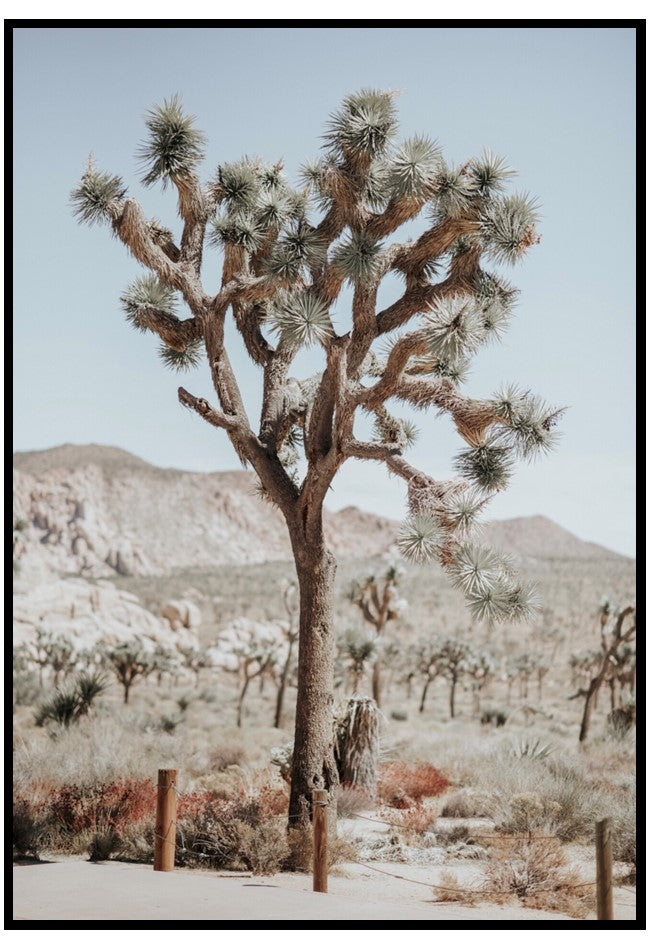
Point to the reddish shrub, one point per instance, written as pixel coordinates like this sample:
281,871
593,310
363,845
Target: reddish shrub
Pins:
401,785
110,806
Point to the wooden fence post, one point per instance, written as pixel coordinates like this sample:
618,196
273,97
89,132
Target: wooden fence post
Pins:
165,821
320,803
604,869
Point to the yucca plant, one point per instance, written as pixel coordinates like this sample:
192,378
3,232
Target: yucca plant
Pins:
288,252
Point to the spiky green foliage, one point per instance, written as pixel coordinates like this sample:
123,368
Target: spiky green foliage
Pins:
274,212
357,257
378,188
455,189
364,124
238,184
237,229
530,421
462,509
475,568
146,292
302,319
182,360
299,247
68,705
174,147
490,173
454,328
98,196
420,538
508,227
414,167
457,369
488,466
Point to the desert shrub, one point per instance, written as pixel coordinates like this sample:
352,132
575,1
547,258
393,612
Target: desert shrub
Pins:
225,755
450,890
399,715
494,716
351,801
340,849
101,807
413,822
246,832
30,826
467,803
535,871
69,705
263,848
623,833
531,748
103,844
402,785
528,812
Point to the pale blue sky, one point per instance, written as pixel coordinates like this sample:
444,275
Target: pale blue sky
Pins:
558,103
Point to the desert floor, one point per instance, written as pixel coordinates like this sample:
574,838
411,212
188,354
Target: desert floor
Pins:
75,889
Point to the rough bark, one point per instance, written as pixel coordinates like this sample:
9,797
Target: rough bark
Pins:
314,764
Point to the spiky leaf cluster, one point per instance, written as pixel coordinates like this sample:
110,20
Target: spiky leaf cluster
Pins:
490,173
454,191
357,257
454,328
530,422
182,360
237,229
413,168
508,227
146,292
364,125
174,146
421,538
302,319
239,185
461,511
98,197
299,247
489,466
489,584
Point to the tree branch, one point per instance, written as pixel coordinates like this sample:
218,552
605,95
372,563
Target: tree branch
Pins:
176,333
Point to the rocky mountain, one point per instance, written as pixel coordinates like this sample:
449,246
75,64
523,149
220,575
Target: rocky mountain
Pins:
98,511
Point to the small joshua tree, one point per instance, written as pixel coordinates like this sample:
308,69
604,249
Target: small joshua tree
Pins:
428,655
454,661
250,649
377,599
128,661
286,255
358,648
617,632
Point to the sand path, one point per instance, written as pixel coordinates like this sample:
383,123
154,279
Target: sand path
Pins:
77,890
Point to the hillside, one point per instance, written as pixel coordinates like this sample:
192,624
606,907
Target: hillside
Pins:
100,511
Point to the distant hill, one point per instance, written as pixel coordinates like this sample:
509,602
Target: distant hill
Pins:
98,510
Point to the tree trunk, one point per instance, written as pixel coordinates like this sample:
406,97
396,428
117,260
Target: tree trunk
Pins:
611,684
242,696
452,697
376,682
282,685
127,689
588,709
424,694
314,764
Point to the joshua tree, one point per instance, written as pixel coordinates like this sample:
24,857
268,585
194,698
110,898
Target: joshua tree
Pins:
128,661
356,745
250,649
358,648
286,256
428,654
480,668
454,661
376,596
614,640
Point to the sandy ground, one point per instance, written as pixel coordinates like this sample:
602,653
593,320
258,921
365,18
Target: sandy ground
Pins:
77,890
